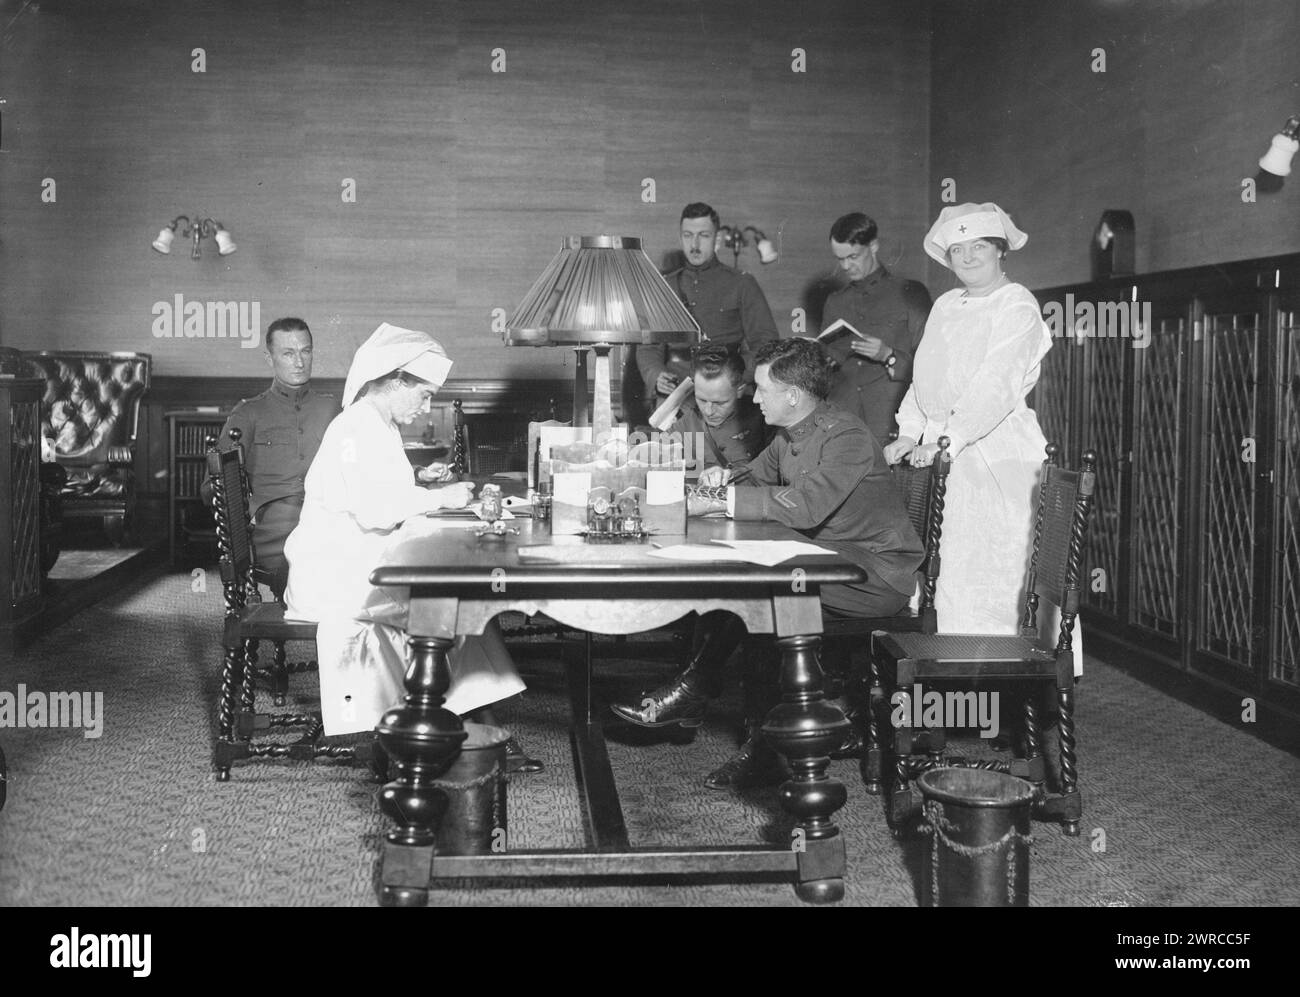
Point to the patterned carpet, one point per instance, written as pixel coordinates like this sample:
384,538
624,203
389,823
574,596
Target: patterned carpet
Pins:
1179,808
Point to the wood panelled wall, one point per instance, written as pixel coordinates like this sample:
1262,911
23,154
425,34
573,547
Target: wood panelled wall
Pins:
1191,94
465,178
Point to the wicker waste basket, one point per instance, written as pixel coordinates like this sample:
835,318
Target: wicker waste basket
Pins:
978,825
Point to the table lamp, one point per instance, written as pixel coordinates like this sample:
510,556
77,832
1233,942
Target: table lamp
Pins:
597,292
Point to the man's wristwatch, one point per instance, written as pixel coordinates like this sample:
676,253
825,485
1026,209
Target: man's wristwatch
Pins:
890,362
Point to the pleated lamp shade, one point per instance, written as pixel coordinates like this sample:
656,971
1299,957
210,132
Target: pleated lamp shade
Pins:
600,289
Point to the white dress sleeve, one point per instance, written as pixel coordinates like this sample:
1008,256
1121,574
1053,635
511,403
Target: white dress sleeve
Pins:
911,420
997,387
379,488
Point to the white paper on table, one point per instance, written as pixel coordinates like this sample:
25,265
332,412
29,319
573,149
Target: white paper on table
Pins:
419,525
698,552
664,487
571,487
772,552
765,552
516,501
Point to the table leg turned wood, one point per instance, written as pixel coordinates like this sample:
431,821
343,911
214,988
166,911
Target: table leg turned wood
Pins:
421,739
805,729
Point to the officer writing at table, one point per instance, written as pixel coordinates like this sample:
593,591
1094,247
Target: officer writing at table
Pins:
823,475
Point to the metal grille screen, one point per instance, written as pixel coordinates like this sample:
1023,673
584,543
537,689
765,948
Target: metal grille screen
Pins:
1285,666
1106,428
1157,479
1051,401
1228,488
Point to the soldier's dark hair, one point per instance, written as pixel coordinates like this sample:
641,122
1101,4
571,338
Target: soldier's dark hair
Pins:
854,229
284,325
799,362
713,360
698,209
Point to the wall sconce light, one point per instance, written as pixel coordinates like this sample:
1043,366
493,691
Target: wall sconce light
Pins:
196,230
736,239
1113,246
1277,160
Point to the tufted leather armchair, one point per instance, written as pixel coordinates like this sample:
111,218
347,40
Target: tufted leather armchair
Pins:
90,410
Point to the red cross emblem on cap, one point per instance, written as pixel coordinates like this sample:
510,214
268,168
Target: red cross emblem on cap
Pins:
961,228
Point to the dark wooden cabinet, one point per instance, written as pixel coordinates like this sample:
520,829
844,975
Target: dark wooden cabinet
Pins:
1194,546
20,526
188,518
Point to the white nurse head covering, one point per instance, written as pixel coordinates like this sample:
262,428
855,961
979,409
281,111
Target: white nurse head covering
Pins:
960,222
390,348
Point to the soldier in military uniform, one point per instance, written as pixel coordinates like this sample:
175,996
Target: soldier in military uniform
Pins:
874,372
728,305
729,424
281,430
825,476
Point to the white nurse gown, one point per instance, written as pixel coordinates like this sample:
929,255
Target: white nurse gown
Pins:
977,362
360,490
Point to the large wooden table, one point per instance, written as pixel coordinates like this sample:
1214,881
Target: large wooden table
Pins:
458,582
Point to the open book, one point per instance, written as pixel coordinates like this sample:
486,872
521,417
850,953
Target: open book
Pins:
836,328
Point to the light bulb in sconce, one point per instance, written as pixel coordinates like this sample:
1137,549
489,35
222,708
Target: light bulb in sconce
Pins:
164,241
1285,144
736,239
766,251
225,244
195,231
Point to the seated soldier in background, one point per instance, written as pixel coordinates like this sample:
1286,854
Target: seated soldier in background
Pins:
825,476
281,430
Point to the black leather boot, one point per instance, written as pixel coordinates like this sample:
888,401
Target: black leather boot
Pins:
854,744
755,764
517,761
684,701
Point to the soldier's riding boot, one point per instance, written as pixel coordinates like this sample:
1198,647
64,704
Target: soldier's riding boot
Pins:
756,763
684,700
837,683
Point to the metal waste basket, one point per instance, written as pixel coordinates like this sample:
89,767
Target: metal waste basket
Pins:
475,820
978,822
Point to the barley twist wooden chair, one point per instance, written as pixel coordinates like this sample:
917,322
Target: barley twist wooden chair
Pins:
990,663
248,622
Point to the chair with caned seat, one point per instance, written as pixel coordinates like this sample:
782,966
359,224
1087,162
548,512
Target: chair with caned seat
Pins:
991,663
248,622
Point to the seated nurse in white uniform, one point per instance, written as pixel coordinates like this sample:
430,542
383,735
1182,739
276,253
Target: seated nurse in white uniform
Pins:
359,491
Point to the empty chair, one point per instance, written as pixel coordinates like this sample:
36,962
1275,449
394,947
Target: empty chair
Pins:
988,663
